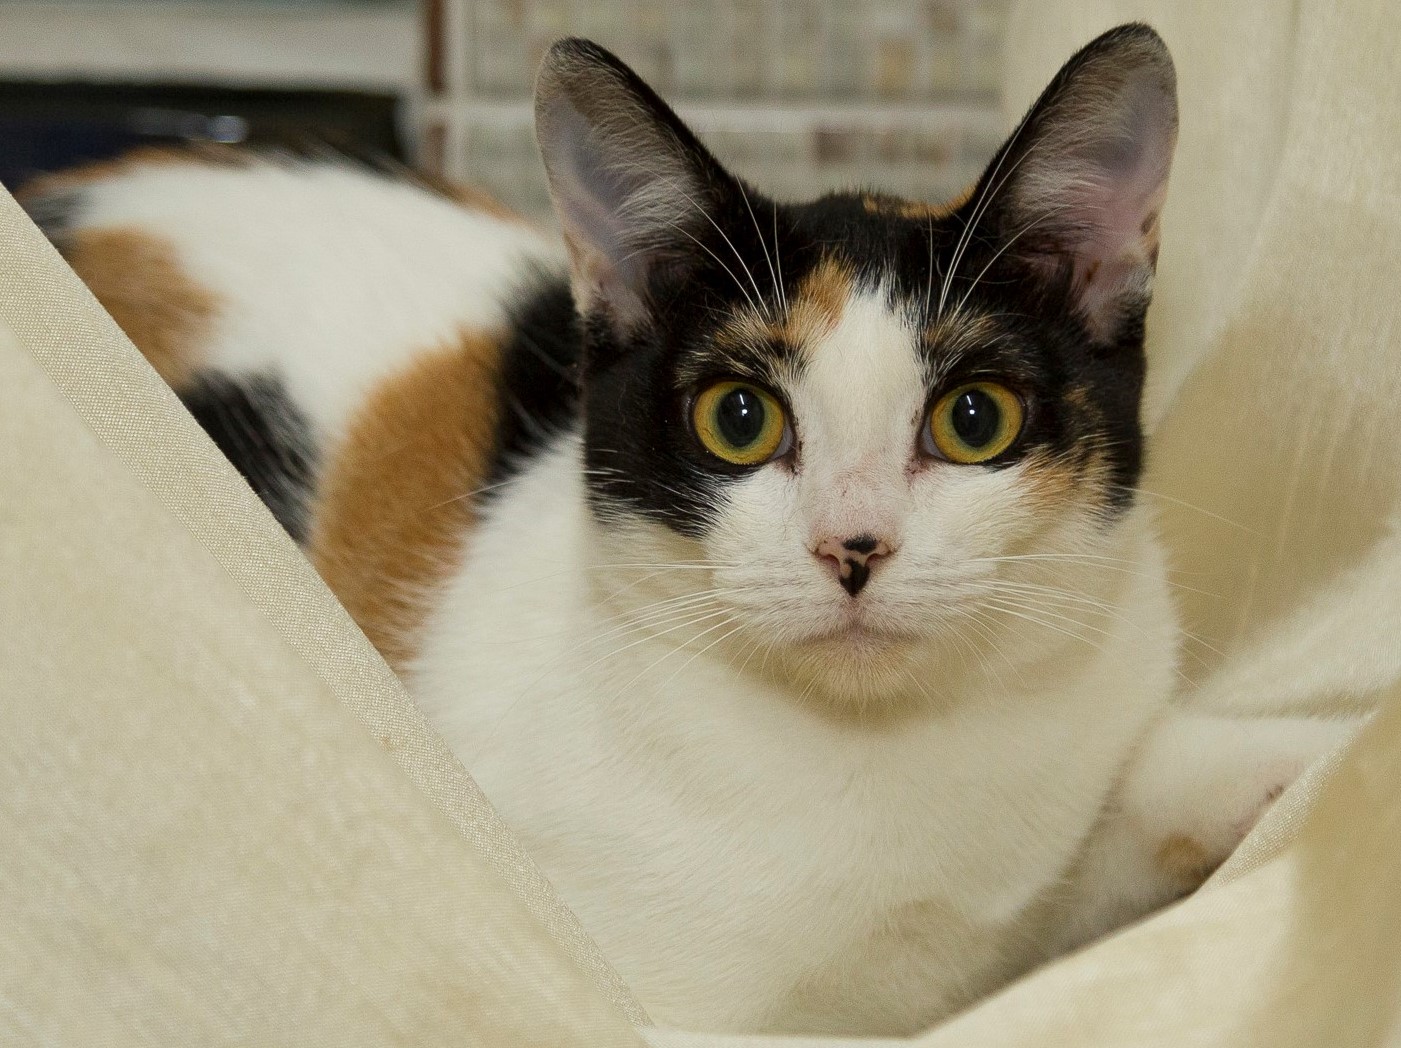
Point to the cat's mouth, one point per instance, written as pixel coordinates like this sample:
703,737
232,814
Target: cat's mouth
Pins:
854,661
860,638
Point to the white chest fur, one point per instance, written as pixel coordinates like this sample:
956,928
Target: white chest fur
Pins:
746,860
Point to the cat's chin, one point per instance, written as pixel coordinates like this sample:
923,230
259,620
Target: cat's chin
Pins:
857,667
858,641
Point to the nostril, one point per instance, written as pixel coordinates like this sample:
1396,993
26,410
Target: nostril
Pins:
861,544
852,559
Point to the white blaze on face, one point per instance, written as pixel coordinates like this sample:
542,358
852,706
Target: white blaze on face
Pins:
857,403
858,407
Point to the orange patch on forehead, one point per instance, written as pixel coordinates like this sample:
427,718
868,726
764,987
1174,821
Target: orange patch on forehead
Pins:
821,298
393,510
920,211
139,280
916,210
814,309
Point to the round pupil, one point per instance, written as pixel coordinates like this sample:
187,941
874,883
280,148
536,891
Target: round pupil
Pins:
976,418
740,417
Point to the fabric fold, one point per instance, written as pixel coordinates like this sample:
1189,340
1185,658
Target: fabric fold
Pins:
226,823
223,818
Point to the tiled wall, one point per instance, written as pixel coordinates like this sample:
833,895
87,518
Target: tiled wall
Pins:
798,95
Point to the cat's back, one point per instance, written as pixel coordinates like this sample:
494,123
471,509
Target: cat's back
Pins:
323,275
346,335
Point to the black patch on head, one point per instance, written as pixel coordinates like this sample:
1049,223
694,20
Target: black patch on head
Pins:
1082,393
638,444
255,424
861,544
538,384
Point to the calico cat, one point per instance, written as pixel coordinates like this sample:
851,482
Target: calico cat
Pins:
777,569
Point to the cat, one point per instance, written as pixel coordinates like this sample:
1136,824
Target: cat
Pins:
777,569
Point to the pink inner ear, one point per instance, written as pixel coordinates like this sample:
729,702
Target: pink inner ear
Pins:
1099,177
1120,253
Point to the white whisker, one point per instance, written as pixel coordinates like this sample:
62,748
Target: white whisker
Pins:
1000,252
704,616
778,259
754,302
673,650
718,640
773,273
980,208
1028,614
1195,508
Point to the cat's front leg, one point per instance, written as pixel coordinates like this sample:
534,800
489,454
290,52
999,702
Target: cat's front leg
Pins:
1196,786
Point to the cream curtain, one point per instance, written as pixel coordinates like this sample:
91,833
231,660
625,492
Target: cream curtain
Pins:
223,822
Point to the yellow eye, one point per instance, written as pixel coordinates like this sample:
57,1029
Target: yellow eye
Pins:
740,424
975,422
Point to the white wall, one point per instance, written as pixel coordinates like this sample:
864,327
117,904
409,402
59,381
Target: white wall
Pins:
229,43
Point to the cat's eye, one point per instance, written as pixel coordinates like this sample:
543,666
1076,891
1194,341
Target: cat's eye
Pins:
740,424
974,423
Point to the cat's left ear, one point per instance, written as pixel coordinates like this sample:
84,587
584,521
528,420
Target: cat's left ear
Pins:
635,191
1078,188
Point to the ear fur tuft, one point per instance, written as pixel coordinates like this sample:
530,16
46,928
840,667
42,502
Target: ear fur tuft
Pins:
1083,179
630,183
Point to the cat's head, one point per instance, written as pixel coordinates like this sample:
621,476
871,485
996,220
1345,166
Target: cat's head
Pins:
831,425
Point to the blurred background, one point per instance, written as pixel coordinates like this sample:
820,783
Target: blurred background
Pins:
798,95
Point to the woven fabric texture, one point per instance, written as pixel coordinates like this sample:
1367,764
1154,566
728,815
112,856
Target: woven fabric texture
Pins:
225,823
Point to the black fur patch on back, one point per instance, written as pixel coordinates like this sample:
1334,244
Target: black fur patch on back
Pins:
55,211
258,428
539,379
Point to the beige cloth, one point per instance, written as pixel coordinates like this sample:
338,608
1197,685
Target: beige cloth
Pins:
224,823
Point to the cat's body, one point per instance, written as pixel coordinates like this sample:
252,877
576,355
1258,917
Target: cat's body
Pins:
836,740
835,874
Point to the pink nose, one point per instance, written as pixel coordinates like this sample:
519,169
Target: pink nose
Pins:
851,558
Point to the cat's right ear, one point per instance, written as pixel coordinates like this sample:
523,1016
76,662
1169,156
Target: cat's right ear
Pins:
631,185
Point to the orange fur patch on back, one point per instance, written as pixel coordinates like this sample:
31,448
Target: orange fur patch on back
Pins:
208,154
392,511
472,198
139,280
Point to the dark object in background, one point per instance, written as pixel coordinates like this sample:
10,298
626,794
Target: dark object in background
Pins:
50,126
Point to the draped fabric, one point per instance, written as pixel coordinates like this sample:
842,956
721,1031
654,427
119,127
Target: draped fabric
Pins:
224,823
